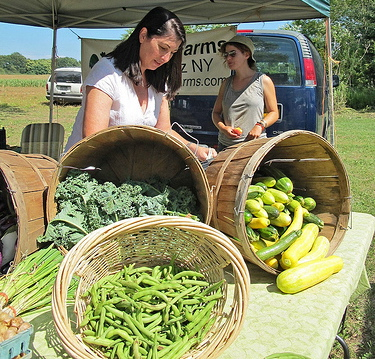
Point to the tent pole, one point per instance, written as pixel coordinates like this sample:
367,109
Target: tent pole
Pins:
330,81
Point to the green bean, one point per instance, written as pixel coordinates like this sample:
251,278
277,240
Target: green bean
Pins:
183,294
198,317
147,318
99,341
187,273
155,323
130,284
120,351
118,325
137,327
121,333
213,287
136,353
176,348
100,329
150,292
153,307
201,283
89,332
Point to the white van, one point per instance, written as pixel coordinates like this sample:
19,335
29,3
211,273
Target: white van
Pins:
67,87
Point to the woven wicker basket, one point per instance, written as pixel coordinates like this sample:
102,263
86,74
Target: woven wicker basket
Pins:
150,241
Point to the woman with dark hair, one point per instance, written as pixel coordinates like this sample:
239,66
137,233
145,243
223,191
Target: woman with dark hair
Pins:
133,84
243,97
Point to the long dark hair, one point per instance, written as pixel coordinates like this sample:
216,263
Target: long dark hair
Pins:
166,78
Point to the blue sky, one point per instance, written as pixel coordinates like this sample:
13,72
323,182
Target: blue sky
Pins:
36,42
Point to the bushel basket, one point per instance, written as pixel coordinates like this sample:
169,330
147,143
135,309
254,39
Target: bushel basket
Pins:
151,241
308,159
138,153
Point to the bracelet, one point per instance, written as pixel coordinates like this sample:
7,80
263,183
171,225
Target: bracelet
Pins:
261,125
263,122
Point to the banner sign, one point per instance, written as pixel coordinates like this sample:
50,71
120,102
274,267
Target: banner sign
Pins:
203,68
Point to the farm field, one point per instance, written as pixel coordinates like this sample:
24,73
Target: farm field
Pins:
24,102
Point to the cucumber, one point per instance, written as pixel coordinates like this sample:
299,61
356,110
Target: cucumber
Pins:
279,246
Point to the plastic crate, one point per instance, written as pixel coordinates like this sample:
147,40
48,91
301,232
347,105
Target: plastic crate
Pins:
12,347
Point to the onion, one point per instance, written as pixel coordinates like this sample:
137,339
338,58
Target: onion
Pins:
16,322
10,333
24,326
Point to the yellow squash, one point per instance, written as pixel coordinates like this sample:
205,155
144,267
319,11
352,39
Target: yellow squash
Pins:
308,274
301,246
319,250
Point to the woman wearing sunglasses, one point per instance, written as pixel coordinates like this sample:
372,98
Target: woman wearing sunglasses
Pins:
244,97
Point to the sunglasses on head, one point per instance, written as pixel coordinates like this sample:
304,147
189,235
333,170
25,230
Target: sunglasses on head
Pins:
230,53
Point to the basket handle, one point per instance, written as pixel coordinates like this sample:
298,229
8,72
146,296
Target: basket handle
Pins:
184,131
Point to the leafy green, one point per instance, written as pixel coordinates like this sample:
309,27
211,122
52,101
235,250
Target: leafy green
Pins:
84,204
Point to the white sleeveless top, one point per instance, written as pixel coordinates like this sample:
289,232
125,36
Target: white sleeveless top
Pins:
125,109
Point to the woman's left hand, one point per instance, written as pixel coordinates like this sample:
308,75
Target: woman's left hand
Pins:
254,133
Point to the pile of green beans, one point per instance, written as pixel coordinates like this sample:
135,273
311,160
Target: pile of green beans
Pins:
149,313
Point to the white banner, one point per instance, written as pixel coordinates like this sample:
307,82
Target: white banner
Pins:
202,67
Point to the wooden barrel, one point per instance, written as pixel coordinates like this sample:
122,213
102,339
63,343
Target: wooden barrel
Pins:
307,158
26,178
138,153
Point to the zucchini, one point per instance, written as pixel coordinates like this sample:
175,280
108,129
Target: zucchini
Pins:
262,213
256,223
254,191
279,246
252,235
272,211
261,184
267,180
255,246
309,217
283,220
268,198
269,233
301,246
252,205
247,216
279,206
283,183
272,262
308,274
280,196
319,250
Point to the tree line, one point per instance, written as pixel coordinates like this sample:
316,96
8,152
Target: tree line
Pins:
18,64
353,50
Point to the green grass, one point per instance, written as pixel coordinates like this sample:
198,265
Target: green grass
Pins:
355,133
354,141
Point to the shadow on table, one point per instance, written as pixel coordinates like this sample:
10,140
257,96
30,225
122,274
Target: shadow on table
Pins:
46,343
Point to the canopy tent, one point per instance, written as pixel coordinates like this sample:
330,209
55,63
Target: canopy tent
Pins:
126,13
57,14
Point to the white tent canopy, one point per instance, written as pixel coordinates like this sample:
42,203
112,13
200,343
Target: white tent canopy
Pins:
127,13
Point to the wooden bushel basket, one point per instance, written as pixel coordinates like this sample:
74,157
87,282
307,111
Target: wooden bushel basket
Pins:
137,153
307,158
151,241
27,177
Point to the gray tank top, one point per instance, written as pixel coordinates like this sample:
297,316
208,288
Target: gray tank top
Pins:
243,108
